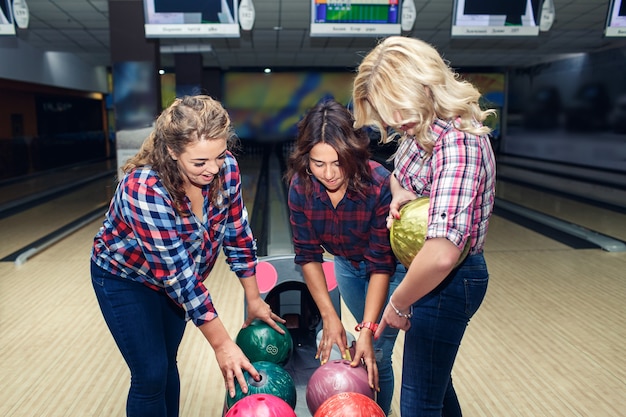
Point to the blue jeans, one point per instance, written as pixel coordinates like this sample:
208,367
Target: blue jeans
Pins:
431,344
353,284
147,328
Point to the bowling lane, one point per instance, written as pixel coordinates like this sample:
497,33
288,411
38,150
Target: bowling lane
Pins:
507,236
27,226
43,217
36,186
250,167
594,217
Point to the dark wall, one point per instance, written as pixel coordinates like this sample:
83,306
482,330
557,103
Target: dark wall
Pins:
571,111
43,127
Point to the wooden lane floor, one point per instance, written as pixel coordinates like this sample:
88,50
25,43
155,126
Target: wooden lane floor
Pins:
29,225
589,198
546,342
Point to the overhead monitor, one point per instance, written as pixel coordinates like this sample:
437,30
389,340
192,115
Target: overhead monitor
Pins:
6,18
482,18
616,19
191,18
336,18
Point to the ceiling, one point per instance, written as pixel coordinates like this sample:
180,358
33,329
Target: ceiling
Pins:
280,37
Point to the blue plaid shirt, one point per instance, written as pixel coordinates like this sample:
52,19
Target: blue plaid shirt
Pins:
145,240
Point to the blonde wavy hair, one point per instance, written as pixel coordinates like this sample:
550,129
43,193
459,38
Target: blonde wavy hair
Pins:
406,78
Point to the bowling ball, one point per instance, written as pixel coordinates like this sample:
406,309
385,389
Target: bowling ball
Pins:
275,380
260,405
349,404
408,233
335,353
259,342
333,378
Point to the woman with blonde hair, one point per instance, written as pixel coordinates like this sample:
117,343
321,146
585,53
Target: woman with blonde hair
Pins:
443,153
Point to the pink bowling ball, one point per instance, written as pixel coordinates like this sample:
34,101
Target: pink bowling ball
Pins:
335,377
261,405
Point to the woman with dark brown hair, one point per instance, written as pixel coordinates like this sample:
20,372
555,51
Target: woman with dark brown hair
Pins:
338,201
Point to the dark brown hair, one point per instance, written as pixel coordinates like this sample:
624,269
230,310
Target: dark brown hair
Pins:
331,123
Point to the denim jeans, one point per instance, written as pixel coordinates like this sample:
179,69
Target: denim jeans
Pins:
353,284
431,344
147,328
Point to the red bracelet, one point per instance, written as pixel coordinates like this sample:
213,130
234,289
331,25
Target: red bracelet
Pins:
366,325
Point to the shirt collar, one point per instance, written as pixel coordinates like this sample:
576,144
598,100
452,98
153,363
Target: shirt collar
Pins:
439,127
320,192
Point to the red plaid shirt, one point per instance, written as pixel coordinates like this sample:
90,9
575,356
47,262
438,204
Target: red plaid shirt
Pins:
356,229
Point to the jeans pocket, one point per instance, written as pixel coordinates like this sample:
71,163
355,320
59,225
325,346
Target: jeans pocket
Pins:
99,281
475,290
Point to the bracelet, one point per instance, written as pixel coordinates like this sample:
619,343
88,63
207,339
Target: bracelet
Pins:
401,314
366,325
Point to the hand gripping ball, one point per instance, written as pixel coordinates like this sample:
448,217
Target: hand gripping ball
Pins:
275,380
260,342
335,377
408,233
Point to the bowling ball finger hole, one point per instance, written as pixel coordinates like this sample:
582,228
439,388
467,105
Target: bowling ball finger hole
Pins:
262,380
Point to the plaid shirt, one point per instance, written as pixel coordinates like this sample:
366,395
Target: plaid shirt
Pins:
459,177
145,240
355,229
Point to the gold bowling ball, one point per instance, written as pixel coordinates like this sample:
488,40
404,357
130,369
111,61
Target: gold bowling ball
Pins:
408,233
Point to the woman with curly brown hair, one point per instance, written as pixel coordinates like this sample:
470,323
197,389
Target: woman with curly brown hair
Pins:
177,205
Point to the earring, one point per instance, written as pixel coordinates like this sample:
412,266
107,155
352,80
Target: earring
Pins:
308,171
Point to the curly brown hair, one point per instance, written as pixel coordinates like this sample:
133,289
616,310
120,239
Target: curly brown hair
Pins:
187,120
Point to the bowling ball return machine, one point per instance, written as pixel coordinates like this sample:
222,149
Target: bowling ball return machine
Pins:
282,286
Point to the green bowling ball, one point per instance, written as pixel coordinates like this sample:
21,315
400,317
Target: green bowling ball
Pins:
274,381
408,233
259,342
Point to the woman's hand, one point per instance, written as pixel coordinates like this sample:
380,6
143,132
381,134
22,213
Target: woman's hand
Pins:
392,319
399,197
230,358
232,361
259,309
364,354
333,333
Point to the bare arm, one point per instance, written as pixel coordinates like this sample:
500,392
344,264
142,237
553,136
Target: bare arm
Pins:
399,197
374,302
429,268
333,331
230,358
